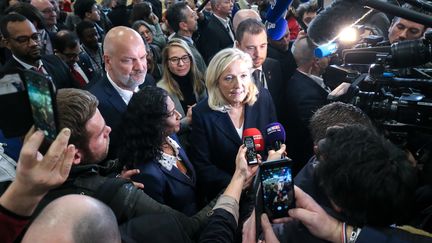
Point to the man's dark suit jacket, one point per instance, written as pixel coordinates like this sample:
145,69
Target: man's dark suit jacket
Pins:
213,38
285,58
85,64
303,96
119,16
111,106
170,187
216,141
275,82
55,68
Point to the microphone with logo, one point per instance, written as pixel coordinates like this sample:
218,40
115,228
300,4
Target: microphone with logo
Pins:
276,24
254,142
274,136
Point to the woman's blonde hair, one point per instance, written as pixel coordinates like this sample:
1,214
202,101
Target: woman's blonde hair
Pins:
195,75
216,67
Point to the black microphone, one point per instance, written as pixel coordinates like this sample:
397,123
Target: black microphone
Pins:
201,7
330,22
409,14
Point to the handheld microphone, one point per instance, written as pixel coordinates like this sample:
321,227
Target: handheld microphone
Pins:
254,142
326,49
257,138
275,135
277,30
277,10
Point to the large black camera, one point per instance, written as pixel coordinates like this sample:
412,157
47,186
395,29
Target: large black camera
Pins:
384,86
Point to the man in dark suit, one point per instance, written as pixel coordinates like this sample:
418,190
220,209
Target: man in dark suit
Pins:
183,20
48,11
304,93
218,34
126,68
67,47
23,40
251,37
90,47
281,50
119,15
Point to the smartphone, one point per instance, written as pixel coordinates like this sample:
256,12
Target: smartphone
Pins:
251,154
277,188
42,96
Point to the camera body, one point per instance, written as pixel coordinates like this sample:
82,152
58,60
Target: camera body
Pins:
393,85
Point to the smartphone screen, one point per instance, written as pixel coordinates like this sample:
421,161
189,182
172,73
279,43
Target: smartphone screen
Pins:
277,188
41,95
251,155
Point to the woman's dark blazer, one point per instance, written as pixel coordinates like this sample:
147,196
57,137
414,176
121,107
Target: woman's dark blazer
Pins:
172,188
215,141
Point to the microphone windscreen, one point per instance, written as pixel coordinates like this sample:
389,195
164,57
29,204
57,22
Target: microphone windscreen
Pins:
257,136
274,132
277,30
326,50
277,9
330,22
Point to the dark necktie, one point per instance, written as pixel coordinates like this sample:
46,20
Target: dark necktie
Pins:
257,78
77,76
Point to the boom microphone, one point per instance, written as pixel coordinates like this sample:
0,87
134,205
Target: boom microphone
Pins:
274,135
330,22
277,10
202,6
257,136
409,14
277,31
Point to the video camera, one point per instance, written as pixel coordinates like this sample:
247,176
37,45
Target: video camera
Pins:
393,85
382,85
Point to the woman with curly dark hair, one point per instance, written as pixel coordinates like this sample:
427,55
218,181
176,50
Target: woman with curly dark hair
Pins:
149,144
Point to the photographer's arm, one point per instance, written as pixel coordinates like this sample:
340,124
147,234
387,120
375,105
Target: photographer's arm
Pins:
35,176
223,222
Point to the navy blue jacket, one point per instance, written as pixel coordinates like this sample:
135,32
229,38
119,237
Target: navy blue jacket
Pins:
55,68
215,141
172,188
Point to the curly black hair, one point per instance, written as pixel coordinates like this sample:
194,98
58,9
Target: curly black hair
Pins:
143,127
81,7
367,176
